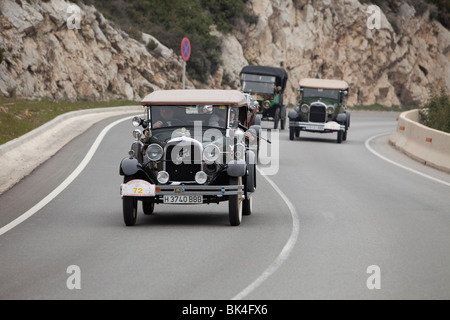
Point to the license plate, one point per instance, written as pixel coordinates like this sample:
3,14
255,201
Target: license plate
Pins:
138,188
183,199
312,127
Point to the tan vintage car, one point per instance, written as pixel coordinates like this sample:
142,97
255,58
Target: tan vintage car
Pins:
322,108
193,149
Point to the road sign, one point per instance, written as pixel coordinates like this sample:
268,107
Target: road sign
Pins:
185,49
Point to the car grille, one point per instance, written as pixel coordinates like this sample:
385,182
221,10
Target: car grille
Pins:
317,113
189,166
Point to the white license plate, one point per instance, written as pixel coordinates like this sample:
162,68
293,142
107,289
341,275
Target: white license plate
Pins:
183,199
312,127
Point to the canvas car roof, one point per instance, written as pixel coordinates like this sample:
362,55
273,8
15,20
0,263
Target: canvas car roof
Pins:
267,71
195,96
323,84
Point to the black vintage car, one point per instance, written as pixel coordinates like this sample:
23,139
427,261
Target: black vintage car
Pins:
266,85
194,150
322,108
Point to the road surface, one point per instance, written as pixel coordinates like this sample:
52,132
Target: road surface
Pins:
337,221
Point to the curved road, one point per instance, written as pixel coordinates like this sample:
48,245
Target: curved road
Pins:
330,213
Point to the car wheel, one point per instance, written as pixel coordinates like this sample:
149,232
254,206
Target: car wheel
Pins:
129,205
247,205
277,118
344,136
235,204
291,133
297,132
340,135
148,207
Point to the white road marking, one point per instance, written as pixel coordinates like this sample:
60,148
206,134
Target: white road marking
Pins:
287,249
65,183
367,144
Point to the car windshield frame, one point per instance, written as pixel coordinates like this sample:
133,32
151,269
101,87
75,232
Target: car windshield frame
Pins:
331,94
215,116
255,83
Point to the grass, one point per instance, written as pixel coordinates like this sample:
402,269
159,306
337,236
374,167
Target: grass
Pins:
19,116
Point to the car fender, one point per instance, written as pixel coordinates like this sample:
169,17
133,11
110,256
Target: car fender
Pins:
341,118
251,174
237,168
129,166
293,115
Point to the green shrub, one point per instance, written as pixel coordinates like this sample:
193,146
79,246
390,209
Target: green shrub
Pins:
436,113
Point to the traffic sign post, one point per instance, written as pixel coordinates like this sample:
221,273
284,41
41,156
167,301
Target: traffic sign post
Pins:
185,54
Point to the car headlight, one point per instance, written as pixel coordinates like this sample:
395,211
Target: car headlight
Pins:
201,177
330,109
304,108
137,121
266,104
155,152
163,177
211,153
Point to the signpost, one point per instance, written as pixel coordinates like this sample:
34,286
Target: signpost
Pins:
185,54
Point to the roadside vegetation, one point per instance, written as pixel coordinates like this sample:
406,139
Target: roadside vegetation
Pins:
19,116
171,21
436,113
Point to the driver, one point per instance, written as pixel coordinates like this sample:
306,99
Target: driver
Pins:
166,114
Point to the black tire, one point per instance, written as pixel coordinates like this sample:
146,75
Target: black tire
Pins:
129,205
247,205
297,132
276,117
340,135
344,135
291,133
148,207
235,204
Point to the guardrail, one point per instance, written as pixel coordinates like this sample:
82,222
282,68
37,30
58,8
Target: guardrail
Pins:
428,146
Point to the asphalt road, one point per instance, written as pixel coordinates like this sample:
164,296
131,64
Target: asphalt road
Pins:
331,211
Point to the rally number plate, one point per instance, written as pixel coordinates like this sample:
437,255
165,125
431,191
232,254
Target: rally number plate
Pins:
138,188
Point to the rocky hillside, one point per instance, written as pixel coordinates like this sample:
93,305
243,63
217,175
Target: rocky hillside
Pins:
394,64
44,57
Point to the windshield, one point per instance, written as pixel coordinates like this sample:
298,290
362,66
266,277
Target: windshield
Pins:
186,116
320,93
257,83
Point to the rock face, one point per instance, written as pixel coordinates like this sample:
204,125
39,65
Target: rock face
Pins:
391,64
46,54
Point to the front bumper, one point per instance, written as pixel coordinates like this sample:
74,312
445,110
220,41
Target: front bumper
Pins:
330,126
142,189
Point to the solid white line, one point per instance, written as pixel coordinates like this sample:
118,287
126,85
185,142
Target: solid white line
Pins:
284,254
65,183
367,144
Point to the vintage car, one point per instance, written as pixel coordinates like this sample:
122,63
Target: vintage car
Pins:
322,108
266,85
195,148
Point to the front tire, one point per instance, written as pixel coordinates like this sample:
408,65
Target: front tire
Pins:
148,207
340,135
277,118
235,204
129,205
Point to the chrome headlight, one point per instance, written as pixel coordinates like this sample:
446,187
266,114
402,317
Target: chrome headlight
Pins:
304,108
266,104
330,109
137,133
211,153
137,121
163,177
201,177
155,152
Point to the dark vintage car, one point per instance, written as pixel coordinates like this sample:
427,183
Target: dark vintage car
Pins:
266,85
194,149
322,108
